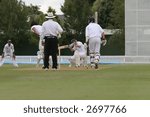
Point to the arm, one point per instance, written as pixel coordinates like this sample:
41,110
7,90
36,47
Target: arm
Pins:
103,36
2,56
104,41
71,47
34,30
42,35
60,30
13,50
4,50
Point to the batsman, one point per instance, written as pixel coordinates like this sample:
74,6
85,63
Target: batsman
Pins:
79,56
94,33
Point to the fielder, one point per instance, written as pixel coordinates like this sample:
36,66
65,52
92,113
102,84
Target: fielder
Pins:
80,53
37,29
8,51
93,34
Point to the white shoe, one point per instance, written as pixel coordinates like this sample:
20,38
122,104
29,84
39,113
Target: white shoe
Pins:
86,66
96,65
92,65
77,66
46,69
16,65
1,64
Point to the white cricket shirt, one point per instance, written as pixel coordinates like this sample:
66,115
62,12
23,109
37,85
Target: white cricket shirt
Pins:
37,28
51,27
93,30
8,49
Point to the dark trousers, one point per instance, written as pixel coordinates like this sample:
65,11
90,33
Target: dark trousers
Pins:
50,48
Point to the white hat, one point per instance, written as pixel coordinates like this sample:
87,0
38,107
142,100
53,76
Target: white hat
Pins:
50,15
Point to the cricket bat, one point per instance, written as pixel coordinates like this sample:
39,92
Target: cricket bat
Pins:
63,47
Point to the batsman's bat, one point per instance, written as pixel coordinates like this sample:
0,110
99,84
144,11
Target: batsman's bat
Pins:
63,47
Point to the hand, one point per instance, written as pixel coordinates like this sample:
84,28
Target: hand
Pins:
85,45
103,42
43,42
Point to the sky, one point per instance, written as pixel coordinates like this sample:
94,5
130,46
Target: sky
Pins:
44,4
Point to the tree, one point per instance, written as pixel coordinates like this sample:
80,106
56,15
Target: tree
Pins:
34,14
76,14
13,20
111,15
104,9
14,25
118,17
50,9
91,2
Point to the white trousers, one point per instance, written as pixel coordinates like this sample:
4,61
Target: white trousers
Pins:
94,49
11,56
78,58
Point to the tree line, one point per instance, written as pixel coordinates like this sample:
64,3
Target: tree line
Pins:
16,18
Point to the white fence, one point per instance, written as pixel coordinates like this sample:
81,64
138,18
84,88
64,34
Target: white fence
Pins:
103,60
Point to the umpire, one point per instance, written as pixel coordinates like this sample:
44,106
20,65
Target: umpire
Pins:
50,31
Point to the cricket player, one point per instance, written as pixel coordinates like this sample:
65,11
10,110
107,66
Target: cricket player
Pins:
37,29
8,50
80,53
94,33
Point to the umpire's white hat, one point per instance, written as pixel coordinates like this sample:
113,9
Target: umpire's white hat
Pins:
50,15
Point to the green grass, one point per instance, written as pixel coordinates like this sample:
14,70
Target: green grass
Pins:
110,82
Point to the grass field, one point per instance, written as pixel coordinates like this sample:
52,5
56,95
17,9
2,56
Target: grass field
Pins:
110,82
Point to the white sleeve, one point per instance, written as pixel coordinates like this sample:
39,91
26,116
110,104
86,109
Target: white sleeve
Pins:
60,30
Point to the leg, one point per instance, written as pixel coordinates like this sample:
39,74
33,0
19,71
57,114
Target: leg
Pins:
46,61
40,57
97,53
14,60
38,62
92,59
77,58
2,60
85,61
72,61
96,61
54,60
54,52
92,51
46,53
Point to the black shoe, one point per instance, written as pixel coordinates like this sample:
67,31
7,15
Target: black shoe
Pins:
45,67
54,67
96,65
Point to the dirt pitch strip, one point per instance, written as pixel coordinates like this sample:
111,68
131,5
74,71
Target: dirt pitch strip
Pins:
64,68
